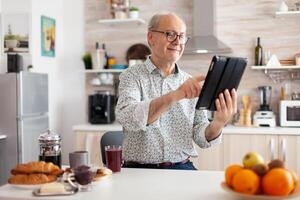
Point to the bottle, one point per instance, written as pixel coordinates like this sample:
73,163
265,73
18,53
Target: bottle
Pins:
111,61
106,57
258,53
100,57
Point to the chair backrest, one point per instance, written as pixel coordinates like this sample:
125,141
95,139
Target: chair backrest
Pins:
110,138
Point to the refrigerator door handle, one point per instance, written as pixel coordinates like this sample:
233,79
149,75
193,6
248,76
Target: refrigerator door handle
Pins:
39,115
2,137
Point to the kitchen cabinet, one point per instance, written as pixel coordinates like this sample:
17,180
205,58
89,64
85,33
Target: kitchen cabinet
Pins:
88,139
237,145
289,151
285,147
271,143
209,158
233,148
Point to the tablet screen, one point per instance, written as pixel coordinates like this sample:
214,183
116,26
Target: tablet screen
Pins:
223,73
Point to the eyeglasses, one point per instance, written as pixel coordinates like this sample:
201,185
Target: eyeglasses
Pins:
172,36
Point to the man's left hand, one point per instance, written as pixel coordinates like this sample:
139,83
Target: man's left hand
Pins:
226,106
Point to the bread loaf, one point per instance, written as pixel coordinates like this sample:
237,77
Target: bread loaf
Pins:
31,179
35,173
101,173
37,167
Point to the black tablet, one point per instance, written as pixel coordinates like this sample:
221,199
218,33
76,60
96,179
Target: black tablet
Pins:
223,73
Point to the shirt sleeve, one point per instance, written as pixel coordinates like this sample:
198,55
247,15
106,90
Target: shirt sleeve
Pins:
200,124
131,111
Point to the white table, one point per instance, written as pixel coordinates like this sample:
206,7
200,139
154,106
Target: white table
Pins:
143,184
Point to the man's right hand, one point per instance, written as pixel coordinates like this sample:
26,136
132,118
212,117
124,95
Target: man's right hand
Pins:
191,88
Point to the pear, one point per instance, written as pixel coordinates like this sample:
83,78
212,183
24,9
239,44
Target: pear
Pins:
251,159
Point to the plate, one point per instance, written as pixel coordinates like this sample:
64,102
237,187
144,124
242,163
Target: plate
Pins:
295,194
27,187
102,177
69,191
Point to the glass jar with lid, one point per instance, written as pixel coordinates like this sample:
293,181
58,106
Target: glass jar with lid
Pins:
50,148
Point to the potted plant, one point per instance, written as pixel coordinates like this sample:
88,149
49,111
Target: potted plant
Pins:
11,40
29,68
133,12
87,60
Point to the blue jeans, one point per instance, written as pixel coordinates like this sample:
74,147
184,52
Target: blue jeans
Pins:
178,166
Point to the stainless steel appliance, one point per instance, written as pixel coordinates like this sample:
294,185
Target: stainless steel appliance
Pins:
102,108
264,116
24,116
205,39
289,113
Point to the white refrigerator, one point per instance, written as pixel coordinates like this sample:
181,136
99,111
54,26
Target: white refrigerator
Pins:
23,117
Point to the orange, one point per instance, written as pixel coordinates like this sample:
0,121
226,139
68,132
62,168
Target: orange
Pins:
278,182
230,172
246,181
295,178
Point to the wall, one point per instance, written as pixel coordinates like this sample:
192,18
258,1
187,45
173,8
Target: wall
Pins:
50,65
66,80
238,24
71,68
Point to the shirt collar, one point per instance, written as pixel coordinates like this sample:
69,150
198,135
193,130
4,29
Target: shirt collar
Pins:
151,67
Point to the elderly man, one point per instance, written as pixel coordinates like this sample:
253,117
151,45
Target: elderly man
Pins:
156,105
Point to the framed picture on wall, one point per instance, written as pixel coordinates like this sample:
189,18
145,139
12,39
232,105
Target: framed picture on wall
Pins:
16,27
47,36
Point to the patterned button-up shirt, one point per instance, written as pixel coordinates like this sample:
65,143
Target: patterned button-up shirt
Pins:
168,139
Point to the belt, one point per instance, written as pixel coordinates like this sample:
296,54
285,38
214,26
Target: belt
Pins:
163,164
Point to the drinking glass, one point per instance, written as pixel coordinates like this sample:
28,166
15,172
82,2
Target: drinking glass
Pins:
113,154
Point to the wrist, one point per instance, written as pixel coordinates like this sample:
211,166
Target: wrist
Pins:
177,95
217,125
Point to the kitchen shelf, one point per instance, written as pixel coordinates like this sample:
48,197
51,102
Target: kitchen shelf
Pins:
282,73
287,14
117,71
284,67
125,22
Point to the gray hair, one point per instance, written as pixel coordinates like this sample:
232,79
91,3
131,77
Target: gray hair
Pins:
154,21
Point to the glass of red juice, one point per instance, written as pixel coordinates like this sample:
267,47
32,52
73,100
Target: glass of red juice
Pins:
113,154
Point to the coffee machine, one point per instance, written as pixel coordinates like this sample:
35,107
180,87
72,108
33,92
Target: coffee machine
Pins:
102,108
264,116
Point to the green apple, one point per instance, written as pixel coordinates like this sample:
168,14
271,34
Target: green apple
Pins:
251,159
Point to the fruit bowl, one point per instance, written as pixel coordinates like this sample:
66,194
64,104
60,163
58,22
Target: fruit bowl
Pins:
294,194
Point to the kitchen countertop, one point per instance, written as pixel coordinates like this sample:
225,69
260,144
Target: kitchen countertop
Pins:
261,130
136,184
98,127
230,129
